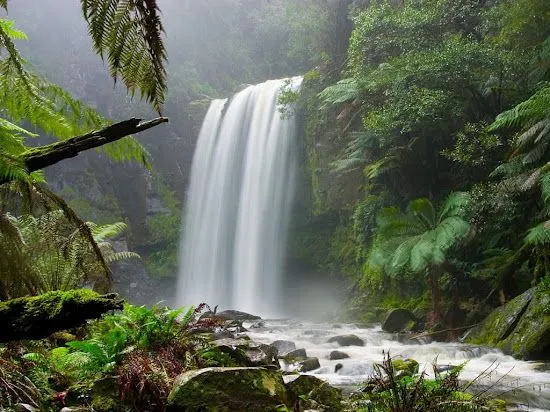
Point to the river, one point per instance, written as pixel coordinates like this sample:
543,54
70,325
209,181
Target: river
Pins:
525,385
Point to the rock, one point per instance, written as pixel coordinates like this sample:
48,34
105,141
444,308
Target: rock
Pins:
520,328
309,364
501,322
336,354
404,367
227,389
399,320
236,315
248,352
337,367
312,388
258,325
284,346
297,354
347,340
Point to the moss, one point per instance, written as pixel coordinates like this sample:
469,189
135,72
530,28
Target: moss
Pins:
227,389
39,316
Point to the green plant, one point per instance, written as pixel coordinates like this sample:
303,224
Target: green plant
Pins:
420,240
393,391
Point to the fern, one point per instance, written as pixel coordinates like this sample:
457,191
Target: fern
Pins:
420,237
538,235
346,90
128,33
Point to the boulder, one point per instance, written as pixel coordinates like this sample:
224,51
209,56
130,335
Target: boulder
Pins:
236,315
308,364
404,367
248,352
399,320
284,346
336,355
295,355
520,328
227,389
347,340
309,388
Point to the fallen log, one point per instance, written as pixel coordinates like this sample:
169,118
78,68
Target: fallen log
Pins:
38,317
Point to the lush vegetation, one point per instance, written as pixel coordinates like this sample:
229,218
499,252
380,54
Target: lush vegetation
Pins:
442,109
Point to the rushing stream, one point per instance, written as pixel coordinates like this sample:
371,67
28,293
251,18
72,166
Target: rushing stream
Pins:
519,382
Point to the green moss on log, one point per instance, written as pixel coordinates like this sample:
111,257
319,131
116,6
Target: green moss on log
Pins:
39,316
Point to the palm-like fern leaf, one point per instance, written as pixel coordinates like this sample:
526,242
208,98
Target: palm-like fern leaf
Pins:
420,237
129,34
538,235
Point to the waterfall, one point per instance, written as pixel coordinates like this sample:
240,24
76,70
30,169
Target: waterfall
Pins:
239,202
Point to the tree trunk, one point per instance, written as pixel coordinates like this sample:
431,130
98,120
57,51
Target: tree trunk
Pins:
435,293
41,157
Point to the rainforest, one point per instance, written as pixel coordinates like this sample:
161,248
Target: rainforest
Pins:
283,205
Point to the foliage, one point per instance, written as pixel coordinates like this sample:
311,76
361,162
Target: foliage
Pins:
394,391
142,349
420,237
129,33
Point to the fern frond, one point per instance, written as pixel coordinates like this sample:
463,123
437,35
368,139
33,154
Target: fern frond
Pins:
104,232
454,205
538,235
527,113
345,90
423,210
129,33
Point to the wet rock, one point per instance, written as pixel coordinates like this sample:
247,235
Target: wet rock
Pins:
297,354
399,320
309,388
520,328
258,325
336,354
248,352
501,322
347,340
404,367
309,364
284,347
227,389
236,315
337,367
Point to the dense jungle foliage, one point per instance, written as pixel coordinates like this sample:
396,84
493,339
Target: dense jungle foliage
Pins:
437,169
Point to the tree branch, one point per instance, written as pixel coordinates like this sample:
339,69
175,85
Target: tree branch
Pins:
44,156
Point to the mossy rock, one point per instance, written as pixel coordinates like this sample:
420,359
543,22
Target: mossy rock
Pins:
309,388
530,339
501,322
38,317
405,367
228,389
520,328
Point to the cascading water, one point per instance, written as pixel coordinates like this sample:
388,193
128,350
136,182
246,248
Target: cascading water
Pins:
239,201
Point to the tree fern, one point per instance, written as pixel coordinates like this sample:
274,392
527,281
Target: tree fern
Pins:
419,239
128,33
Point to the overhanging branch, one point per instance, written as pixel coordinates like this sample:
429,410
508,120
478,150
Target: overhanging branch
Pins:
44,156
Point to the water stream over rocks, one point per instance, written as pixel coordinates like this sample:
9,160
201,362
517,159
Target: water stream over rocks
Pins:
525,384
